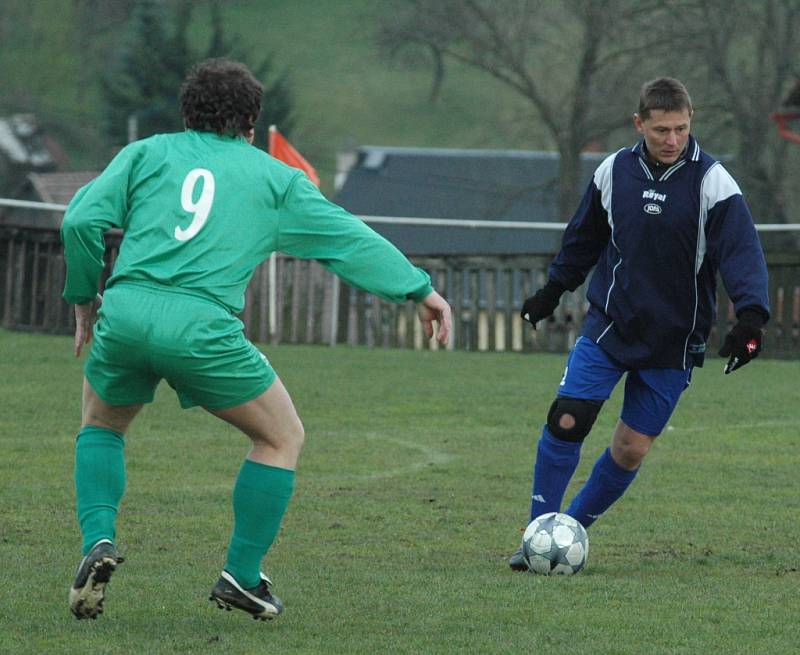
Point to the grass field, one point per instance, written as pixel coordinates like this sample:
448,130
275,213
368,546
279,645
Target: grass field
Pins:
411,493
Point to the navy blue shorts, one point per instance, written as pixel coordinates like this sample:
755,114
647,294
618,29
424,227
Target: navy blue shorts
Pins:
650,393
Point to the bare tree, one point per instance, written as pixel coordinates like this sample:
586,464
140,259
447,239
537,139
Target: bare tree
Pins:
416,57
749,54
578,62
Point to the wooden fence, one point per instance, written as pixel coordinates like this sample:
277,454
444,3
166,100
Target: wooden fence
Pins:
313,307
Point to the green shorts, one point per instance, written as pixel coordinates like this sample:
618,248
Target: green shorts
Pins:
145,334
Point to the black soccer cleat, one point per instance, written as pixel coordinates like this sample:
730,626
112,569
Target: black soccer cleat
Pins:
89,589
256,601
517,561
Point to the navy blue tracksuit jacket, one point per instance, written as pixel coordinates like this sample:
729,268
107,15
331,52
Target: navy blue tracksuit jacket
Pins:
658,242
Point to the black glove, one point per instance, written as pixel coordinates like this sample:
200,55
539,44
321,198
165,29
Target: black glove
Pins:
543,303
743,342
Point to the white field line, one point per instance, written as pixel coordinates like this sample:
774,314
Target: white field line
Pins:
428,456
433,456
760,425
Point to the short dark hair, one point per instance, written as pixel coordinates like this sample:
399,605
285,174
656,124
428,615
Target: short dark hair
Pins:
664,93
222,96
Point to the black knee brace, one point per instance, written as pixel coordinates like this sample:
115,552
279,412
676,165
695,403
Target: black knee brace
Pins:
583,411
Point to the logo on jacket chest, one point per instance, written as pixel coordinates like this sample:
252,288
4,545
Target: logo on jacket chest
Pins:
653,207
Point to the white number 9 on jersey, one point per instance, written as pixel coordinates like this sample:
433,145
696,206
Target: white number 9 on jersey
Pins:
201,208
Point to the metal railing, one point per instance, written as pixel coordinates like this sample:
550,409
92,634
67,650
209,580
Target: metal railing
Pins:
298,301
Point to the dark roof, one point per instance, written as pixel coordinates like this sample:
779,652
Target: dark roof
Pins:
60,187
793,97
507,185
57,188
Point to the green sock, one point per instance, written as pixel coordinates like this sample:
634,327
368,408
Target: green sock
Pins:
260,498
99,482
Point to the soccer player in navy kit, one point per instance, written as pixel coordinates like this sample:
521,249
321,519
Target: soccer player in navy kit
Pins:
657,223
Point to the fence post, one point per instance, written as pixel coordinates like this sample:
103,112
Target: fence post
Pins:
486,294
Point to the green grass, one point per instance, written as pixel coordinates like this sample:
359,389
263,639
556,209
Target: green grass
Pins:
411,493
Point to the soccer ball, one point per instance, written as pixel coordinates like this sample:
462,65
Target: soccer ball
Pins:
555,544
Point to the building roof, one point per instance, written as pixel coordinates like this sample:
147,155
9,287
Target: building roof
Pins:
59,187
494,185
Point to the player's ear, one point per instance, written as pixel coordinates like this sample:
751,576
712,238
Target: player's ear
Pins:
250,135
637,123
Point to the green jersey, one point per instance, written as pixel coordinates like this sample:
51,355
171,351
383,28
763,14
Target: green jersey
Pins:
200,211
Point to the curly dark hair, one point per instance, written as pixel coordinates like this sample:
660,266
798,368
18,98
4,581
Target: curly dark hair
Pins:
222,96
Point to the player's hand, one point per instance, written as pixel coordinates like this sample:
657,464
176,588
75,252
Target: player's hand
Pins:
543,303
743,342
434,309
85,316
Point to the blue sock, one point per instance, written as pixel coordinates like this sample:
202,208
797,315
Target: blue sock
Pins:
556,461
605,485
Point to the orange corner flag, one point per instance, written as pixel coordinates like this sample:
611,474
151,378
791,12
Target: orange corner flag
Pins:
281,149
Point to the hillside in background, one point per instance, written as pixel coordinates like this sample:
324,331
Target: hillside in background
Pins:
346,93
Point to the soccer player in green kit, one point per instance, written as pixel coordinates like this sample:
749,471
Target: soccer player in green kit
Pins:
200,210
